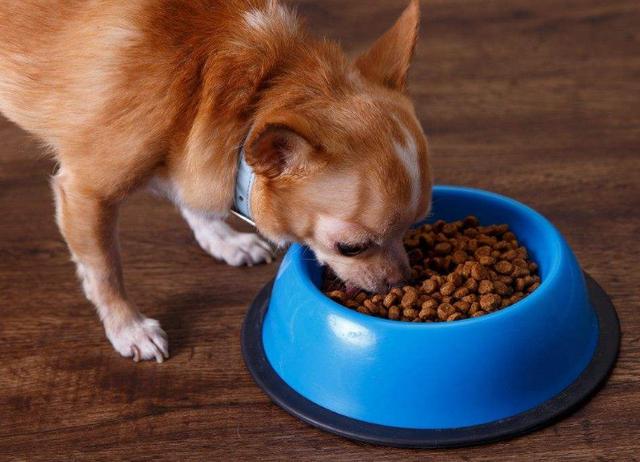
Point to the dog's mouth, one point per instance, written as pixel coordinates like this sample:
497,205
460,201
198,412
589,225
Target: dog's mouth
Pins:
351,290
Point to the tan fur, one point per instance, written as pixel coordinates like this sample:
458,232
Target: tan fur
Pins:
165,92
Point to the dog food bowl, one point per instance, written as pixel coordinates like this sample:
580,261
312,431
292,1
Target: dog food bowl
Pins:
436,384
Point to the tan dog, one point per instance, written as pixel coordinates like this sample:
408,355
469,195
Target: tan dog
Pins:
164,93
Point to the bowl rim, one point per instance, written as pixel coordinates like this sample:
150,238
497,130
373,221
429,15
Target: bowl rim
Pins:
553,239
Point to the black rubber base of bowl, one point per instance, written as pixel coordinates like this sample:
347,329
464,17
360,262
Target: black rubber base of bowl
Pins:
284,396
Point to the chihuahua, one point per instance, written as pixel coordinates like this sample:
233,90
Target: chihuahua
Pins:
218,105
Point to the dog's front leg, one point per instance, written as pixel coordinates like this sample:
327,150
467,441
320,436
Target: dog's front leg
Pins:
223,242
88,224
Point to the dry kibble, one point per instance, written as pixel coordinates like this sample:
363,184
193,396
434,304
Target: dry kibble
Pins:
361,297
459,269
445,310
471,221
430,304
462,306
409,313
470,298
475,306
479,272
490,302
352,304
456,278
483,251
486,260
338,295
485,286
459,256
389,300
426,313
501,288
442,248
394,312
397,291
471,284
410,298
509,236
429,286
504,267
461,292
372,307
454,317
447,289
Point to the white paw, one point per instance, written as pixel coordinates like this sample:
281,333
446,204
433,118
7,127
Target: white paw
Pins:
240,249
141,338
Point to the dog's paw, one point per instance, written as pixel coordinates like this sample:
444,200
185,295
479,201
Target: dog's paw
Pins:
240,249
141,338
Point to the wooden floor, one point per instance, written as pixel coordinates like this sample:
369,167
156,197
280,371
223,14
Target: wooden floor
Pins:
536,99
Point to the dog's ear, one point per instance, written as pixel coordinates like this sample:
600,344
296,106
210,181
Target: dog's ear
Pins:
277,149
387,61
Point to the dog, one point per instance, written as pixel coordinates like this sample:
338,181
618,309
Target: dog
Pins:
182,96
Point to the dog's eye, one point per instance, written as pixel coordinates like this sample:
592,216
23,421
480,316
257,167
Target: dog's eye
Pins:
351,250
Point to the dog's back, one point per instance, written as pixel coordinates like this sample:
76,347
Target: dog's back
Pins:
73,65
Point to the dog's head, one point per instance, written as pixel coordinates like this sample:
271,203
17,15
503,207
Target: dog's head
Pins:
341,160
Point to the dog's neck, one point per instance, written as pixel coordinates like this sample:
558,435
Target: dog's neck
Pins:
245,177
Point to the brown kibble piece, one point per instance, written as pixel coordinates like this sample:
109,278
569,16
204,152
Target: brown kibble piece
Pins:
459,256
389,300
501,288
426,313
361,297
445,310
485,286
478,313
429,286
447,289
470,298
337,295
461,292
483,251
410,299
454,317
471,284
430,304
442,248
409,313
504,267
486,260
490,302
475,306
456,278
479,272
462,306
394,312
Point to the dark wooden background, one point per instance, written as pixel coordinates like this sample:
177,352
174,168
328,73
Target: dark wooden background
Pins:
536,99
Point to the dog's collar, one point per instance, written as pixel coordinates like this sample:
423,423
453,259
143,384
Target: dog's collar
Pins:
245,177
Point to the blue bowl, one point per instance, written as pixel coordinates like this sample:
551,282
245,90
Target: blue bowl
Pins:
389,375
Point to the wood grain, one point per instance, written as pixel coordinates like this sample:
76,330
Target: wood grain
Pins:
539,100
